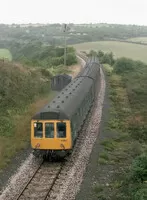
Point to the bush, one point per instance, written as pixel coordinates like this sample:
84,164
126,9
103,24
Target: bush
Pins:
106,58
139,169
71,59
92,53
141,194
123,65
138,131
37,54
55,61
20,85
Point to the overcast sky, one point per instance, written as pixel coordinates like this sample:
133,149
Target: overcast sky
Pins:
74,11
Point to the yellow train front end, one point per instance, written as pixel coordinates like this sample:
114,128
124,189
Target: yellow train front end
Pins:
51,136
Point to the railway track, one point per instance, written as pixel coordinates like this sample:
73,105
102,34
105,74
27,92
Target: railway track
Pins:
42,181
82,56
61,181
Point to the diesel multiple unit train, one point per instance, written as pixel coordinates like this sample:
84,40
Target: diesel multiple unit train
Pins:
55,128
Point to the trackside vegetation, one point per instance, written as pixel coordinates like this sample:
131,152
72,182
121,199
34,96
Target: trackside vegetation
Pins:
24,89
124,154
38,54
20,86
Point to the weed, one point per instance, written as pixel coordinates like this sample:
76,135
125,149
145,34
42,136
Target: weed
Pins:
102,161
109,144
98,188
104,155
117,184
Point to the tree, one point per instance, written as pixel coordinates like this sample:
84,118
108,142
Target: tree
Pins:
92,53
100,54
123,65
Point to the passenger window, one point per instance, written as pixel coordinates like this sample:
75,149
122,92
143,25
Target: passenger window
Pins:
38,130
49,130
61,130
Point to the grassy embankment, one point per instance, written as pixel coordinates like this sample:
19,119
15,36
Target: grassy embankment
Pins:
5,53
120,49
24,90
20,87
124,157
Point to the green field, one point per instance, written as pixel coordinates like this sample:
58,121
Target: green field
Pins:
5,53
138,39
120,49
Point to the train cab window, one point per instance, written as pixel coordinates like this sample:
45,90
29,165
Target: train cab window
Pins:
49,130
61,130
38,130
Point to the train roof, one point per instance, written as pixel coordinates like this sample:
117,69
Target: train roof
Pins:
67,101
64,105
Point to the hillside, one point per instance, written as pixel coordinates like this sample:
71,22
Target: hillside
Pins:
20,86
24,90
53,33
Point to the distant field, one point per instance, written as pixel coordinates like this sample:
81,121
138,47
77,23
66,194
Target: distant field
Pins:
5,53
138,39
120,49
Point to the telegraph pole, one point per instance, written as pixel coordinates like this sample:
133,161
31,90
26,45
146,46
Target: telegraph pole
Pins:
65,30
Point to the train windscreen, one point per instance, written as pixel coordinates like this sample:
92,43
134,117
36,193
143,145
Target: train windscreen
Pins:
38,130
49,130
61,130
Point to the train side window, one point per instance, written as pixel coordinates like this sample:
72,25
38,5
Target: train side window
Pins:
49,130
61,130
38,130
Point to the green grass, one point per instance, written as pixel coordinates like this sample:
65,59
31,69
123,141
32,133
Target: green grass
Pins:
27,92
127,122
120,49
5,53
138,39
109,144
98,188
104,155
10,145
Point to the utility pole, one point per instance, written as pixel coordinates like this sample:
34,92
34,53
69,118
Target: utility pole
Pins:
65,30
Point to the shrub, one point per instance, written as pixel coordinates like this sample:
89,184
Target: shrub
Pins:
123,65
141,194
138,131
139,168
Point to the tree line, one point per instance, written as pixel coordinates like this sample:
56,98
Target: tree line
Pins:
38,54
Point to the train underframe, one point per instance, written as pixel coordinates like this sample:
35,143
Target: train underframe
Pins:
51,154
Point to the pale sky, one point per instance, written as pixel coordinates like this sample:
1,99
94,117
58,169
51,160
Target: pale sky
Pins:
74,11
